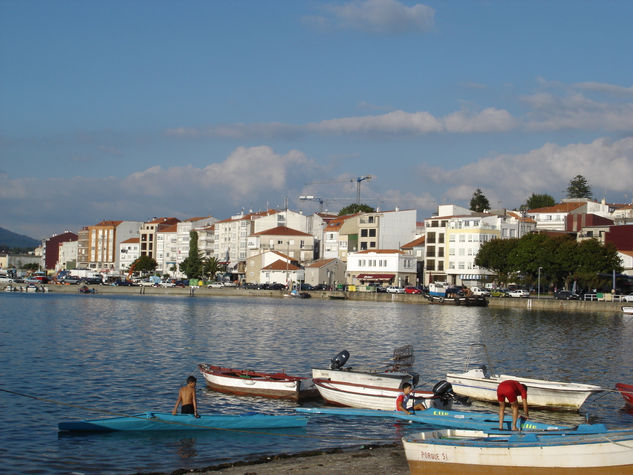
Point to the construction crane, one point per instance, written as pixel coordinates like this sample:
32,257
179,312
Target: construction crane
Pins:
313,198
358,182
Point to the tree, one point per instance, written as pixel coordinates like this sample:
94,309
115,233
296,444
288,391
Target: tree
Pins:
192,265
579,188
356,208
495,256
539,201
211,266
144,265
479,202
32,266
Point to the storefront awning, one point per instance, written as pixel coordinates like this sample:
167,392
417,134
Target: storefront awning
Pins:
375,276
473,276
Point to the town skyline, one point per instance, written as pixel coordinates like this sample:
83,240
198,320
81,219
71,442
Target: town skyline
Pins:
129,111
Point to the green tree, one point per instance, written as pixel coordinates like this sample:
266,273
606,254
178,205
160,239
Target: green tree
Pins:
495,256
538,201
144,265
579,188
192,265
32,266
356,208
479,202
211,266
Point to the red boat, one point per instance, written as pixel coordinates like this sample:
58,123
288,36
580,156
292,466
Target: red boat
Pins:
627,393
244,382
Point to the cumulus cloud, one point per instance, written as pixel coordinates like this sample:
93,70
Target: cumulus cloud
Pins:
605,87
575,111
378,17
401,122
248,177
511,179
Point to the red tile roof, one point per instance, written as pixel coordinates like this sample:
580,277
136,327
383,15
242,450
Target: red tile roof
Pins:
281,231
558,208
280,265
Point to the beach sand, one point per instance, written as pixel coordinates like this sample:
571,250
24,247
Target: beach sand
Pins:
387,459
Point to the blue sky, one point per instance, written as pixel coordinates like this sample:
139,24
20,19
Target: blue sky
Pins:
136,109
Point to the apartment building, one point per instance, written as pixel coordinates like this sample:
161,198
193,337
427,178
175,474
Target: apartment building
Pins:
381,267
129,251
295,244
147,234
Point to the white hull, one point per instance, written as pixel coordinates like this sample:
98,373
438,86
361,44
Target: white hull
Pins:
541,393
596,453
297,389
362,390
628,310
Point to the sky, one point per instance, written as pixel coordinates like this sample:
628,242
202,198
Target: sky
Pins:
129,110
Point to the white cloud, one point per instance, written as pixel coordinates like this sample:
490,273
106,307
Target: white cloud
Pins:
605,87
511,179
379,17
576,111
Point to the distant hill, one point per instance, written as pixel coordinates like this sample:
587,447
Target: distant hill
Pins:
10,240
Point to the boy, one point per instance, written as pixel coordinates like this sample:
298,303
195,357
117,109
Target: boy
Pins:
511,390
187,396
403,399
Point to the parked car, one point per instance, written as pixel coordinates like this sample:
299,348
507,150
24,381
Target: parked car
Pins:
123,283
181,283
412,290
499,293
90,281
305,286
168,283
320,287
215,285
566,295
392,289
276,286
229,283
478,291
380,289
250,285
519,293
627,298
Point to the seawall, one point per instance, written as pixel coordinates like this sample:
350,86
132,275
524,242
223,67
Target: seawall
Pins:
532,303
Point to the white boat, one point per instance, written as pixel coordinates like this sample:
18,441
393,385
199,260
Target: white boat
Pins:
481,383
627,309
372,389
244,382
587,449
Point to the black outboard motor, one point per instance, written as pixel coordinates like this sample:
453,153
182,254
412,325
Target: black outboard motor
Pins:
443,390
339,360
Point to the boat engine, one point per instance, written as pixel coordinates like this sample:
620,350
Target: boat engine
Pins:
443,390
339,360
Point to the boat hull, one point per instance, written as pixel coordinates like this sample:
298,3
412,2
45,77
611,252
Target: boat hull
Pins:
455,451
366,390
156,421
541,393
436,417
250,383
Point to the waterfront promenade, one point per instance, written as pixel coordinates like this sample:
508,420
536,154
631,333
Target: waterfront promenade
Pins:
544,303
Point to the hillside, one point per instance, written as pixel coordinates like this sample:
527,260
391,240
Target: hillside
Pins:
11,240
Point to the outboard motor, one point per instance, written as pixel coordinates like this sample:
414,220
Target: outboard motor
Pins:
339,360
443,390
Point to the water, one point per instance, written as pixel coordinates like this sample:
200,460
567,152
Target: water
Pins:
130,354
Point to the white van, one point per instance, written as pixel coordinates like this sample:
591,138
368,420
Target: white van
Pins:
5,280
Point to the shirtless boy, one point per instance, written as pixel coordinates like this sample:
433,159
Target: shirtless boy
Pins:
187,397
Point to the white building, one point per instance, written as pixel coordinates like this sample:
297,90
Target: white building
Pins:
67,257
381,267
129,251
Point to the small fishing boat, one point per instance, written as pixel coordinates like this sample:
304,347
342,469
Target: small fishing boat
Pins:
481,383
159,421
627,309
466,301
244,382
437,417
587,449
375,389
627,393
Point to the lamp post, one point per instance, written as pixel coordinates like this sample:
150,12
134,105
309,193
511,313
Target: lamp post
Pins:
538,290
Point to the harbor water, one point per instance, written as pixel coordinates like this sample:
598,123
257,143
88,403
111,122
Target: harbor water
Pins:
71,357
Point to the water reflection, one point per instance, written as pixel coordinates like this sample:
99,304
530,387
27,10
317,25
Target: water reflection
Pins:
131,354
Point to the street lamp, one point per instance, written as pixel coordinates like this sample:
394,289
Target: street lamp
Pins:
538,290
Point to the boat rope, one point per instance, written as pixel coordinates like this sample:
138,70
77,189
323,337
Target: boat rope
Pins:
197,426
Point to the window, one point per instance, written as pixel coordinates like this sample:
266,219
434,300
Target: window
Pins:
372,244
372,233
363,233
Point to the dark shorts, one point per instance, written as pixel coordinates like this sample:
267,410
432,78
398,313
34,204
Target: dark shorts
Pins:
187,409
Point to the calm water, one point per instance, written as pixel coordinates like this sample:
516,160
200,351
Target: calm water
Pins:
131,354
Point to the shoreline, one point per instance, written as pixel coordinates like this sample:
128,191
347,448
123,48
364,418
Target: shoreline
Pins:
388,458
544,303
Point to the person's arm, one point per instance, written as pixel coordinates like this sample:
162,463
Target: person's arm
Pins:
195,404
175,410
525,408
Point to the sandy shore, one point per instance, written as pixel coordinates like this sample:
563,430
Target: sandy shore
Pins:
387,459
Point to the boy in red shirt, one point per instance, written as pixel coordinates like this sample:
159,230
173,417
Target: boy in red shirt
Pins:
510,390
403,399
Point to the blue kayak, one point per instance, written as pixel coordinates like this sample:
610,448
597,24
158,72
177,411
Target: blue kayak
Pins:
160,421
438,417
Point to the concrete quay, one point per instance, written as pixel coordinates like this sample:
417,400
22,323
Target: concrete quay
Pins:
531,303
